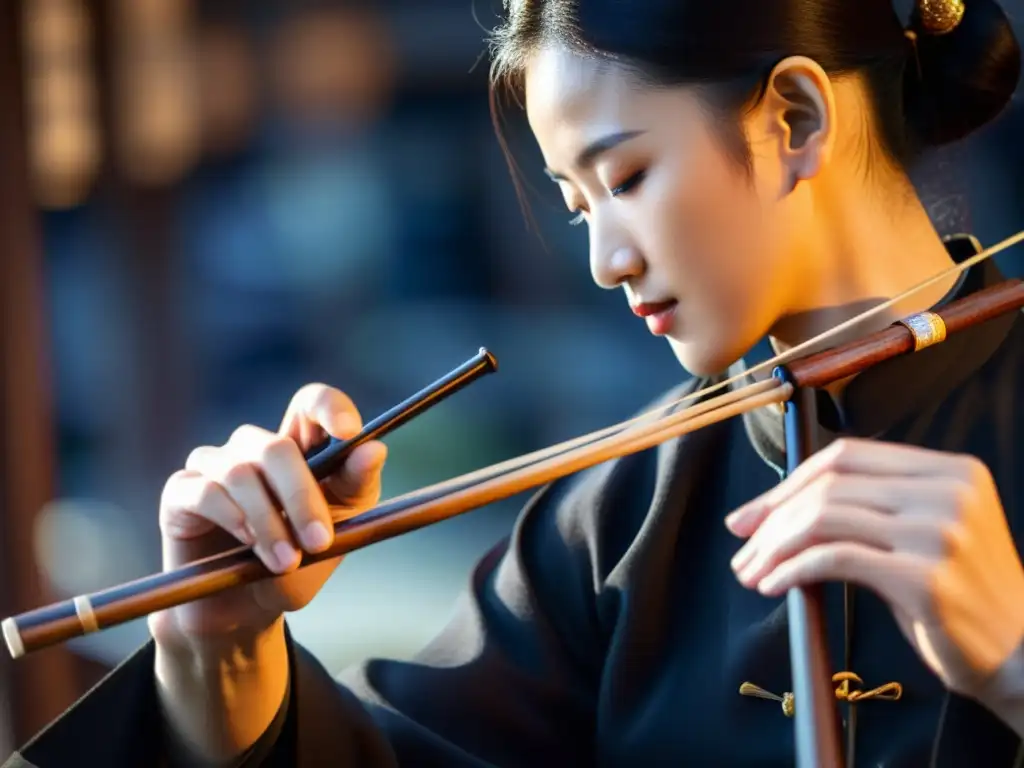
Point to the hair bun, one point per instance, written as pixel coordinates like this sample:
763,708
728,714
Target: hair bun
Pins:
958,81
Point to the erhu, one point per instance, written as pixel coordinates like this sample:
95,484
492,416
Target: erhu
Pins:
792,386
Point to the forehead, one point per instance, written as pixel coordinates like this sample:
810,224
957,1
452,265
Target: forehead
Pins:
572,100
564,89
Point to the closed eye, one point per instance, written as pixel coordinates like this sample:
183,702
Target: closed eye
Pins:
628,185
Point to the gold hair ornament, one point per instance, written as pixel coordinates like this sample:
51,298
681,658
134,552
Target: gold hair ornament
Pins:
940,16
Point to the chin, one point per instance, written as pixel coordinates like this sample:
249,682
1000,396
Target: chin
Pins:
702,357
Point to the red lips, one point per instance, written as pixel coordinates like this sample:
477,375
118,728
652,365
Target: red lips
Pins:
651,308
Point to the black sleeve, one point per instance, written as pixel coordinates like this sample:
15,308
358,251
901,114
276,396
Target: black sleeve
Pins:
512,677
511,681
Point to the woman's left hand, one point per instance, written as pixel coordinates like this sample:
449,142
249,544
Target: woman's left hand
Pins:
924,530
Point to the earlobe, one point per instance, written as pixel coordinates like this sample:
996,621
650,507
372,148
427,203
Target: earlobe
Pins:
801,108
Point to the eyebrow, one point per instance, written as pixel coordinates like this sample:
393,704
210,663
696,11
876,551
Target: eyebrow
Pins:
594,150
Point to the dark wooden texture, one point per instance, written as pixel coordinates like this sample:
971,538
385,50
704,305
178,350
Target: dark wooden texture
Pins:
832,365
816,717
37,691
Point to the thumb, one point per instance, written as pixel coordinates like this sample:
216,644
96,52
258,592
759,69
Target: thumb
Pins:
317,411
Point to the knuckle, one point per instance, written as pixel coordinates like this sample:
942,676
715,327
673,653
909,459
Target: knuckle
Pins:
246,433
207,498
263,523
829,485
962,497
952,537
299,502
976,472
173,485
179,500
238,475
841,449
197,457
278,449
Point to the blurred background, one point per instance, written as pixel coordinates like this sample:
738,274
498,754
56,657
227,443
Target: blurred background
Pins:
206,204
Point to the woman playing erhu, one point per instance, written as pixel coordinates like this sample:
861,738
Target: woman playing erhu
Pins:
742,168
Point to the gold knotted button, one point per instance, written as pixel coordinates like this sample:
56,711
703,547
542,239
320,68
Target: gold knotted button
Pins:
843,691
887,692
786,699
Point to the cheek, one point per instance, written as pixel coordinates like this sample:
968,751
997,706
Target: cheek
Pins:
719,238
714,225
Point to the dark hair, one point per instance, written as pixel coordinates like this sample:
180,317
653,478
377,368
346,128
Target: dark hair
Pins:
926,89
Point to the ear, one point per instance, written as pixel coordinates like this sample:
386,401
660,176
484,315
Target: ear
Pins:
799,106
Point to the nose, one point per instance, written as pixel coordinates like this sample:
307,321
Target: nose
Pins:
613,264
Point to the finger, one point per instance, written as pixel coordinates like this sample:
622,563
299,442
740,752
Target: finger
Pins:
272,541
897,578
788,534
796,527
193,505
317,409
851,524
862,457
358,482
284,470
932,497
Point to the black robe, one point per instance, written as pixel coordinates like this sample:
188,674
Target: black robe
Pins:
609,629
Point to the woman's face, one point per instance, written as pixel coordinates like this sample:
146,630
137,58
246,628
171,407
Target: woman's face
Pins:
674,219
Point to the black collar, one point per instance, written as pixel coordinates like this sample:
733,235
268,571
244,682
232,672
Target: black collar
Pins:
885,394
882,396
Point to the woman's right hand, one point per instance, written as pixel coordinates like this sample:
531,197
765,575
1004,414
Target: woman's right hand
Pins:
256,489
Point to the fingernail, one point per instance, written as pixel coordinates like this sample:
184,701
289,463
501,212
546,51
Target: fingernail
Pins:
734,522
731,520
316,537
747,575
285,554
769,586
740,558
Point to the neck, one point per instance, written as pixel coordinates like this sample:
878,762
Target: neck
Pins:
862,254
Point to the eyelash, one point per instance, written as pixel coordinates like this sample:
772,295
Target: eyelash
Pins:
626,186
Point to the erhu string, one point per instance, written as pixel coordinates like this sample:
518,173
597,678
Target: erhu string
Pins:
853,322
665,410
487,485
718,408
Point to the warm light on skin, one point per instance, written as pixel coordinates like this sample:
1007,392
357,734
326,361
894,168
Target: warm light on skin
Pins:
822,228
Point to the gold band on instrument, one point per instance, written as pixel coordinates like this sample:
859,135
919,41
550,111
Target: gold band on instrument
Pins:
940,16
86,614
13,639
927,328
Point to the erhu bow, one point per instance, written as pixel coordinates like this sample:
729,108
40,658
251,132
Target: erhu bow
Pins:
794,377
